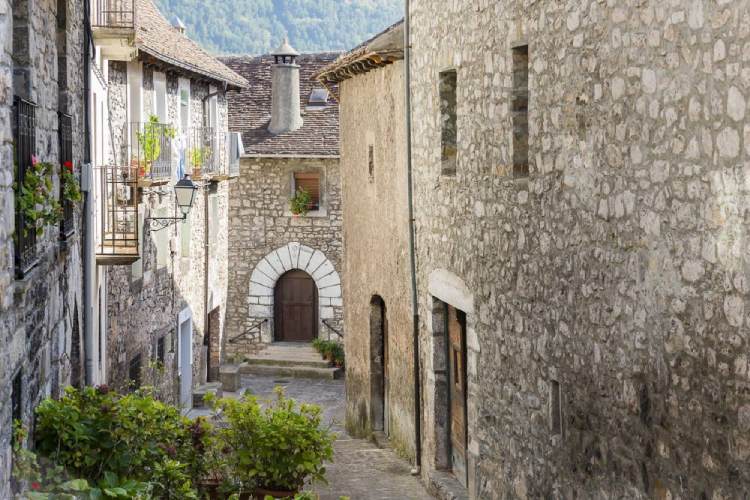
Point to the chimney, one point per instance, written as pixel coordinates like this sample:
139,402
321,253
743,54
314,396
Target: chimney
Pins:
285,107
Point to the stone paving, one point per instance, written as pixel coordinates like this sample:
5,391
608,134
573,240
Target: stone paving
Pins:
361,470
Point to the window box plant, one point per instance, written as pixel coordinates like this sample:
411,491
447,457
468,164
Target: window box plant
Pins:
299,204
35,199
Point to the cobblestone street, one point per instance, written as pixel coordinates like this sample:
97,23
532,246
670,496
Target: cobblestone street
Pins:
361,470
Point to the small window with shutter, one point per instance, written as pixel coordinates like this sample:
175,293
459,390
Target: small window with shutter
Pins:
310,182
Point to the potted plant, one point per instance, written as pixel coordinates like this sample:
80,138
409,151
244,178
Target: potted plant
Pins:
149,141
272,451
34,198
299,204
196,160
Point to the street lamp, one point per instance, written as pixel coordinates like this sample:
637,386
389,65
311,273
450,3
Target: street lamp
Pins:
184,192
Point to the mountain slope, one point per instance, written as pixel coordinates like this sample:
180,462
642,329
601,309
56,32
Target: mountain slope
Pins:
257,26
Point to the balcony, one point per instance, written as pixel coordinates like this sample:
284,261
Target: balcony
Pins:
119,227
149,152
206,154
113,27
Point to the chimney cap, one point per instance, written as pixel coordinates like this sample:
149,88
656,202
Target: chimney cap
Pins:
285,49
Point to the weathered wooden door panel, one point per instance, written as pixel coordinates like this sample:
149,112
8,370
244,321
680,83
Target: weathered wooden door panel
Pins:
457,379
296,308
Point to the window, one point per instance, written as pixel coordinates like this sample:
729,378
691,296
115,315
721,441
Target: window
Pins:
134,371
318,98
160,96
310,182
371,163
24,138
555,408
448,147
184,104
160,350
520,111
65,137
16,398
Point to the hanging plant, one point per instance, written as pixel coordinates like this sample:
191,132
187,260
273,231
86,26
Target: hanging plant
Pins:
300,203
70,189
35,199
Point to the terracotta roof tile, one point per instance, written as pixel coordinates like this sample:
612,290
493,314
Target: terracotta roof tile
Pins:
250,109
157,37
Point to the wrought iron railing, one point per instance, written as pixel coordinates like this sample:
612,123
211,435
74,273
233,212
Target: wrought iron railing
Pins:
150,149
333,329
112,14
253,333
24,138
65,135
206,152
118,237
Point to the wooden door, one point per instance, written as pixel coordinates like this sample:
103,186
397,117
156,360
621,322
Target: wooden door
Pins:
295,308
457,378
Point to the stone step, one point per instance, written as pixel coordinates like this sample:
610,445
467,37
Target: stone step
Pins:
294,371
286,361
199,393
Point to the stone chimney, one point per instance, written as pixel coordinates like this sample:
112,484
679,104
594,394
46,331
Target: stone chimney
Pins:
285,107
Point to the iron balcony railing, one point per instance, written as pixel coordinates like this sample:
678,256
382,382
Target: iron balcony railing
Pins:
149,150
118,232
206,152
65,133
119,14
24,138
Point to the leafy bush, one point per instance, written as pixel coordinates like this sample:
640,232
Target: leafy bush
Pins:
95,434
300,203
330,350
278,447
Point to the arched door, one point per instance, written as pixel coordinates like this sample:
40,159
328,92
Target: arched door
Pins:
295,308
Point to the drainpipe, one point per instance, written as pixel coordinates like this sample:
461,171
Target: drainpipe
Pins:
412,251
86,226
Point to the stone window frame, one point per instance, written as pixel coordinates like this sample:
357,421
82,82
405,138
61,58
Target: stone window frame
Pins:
448,156
322,210
519,98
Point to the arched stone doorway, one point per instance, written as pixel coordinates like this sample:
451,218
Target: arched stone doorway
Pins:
295,308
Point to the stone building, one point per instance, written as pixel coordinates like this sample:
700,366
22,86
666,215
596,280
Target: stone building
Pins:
41,115
161,113
377,285
283,265
581,183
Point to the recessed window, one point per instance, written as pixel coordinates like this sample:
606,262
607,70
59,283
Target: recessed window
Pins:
371,163
310,183
555,408
134,371
448,120
520,111
160,350
16,396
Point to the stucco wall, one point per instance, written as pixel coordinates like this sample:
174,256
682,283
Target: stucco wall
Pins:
144,299
618,268
262,223
38,312
376,247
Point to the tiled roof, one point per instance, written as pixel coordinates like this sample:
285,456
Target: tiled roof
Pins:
155,36
250,109
384,48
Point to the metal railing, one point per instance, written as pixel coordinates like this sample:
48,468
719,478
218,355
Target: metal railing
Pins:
206,153
65,133
334,330
24,138
113,14
149,149
118,237
254,332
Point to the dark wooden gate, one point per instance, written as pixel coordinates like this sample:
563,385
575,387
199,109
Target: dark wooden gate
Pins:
457,376
295,308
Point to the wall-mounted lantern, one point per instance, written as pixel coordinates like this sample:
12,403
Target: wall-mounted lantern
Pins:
184,192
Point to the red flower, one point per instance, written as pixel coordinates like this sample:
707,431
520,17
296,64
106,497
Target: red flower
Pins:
69,165
34,160
36,486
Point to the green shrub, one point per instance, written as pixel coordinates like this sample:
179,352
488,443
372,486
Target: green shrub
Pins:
299,204
95,434
278,447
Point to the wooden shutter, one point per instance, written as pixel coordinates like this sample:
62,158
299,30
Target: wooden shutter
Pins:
310,182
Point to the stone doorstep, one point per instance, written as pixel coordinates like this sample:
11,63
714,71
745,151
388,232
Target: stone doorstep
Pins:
287,361
230,377
200,392
446,487
295,371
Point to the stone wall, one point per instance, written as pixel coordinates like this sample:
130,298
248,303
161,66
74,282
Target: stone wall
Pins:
40,312
264,229
144,299
617,269
376,252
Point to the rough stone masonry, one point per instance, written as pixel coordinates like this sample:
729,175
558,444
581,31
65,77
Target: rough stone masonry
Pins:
614,274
